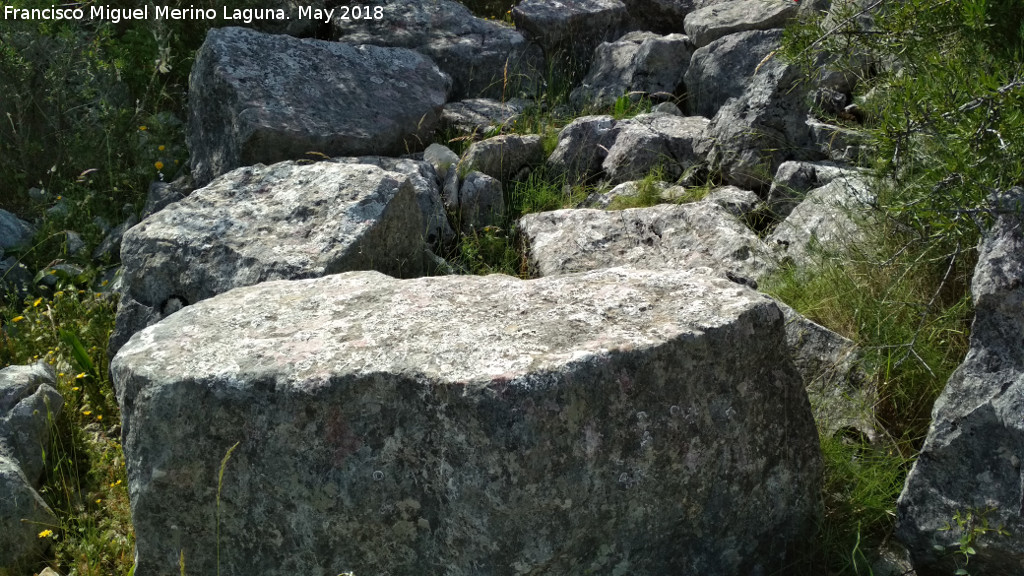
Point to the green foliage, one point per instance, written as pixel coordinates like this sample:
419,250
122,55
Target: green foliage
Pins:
972,526
489,251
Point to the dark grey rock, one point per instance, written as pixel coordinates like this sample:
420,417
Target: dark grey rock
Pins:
736,201
29,403
836,142
751,136
640,64
110,247
15,277
570,30
793,180
655,141
710,23
724,68
473,423
261,98
663,16
667,108
441,158
14,232
481,202
582,147
700,235
971,459
264,223
163,193
483,57
502,157
22,512
481,115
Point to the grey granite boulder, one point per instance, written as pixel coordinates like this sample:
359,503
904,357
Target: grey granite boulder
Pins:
484,58
262,98
29,405
481,202
752,135
481,115
582,147
655,141
437,231
723,69
640,64
570,30
700,235
23,515
503,157
620,421
710,23
264,223
14,232
829,221
793,180
971,459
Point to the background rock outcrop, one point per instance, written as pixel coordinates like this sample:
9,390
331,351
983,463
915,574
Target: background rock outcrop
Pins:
262,98
476,423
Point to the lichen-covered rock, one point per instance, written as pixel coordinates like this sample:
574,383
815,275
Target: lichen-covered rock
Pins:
971,459
655,141
622,420
22,512
437,231
262,98
582,147
266,223
483,57
793,180
710,23
640,64
570,30
29,404
481,115
828,221
724,68
502,157
752,135
689,236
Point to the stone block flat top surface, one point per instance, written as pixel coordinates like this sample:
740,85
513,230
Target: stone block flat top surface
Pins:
699,235
263,98
710,23
484,424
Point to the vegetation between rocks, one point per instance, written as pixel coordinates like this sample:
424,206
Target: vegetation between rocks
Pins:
95,114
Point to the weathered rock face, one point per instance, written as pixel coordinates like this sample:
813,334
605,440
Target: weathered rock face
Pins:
261,98
971,457
828,221
265,223
480,115
570,30
663,16
481,202
437,231
638,64
502,157
698,235
487,425
582,147
484,58
708,24
736,201
754,134
794,179
162,194
650,141
22,511
723,69
27,400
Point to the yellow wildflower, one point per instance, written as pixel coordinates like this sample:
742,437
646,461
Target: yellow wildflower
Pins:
160,147
17,319
80,375
86,412
75,389
159,165
46,533
142,128
99,416
38,300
